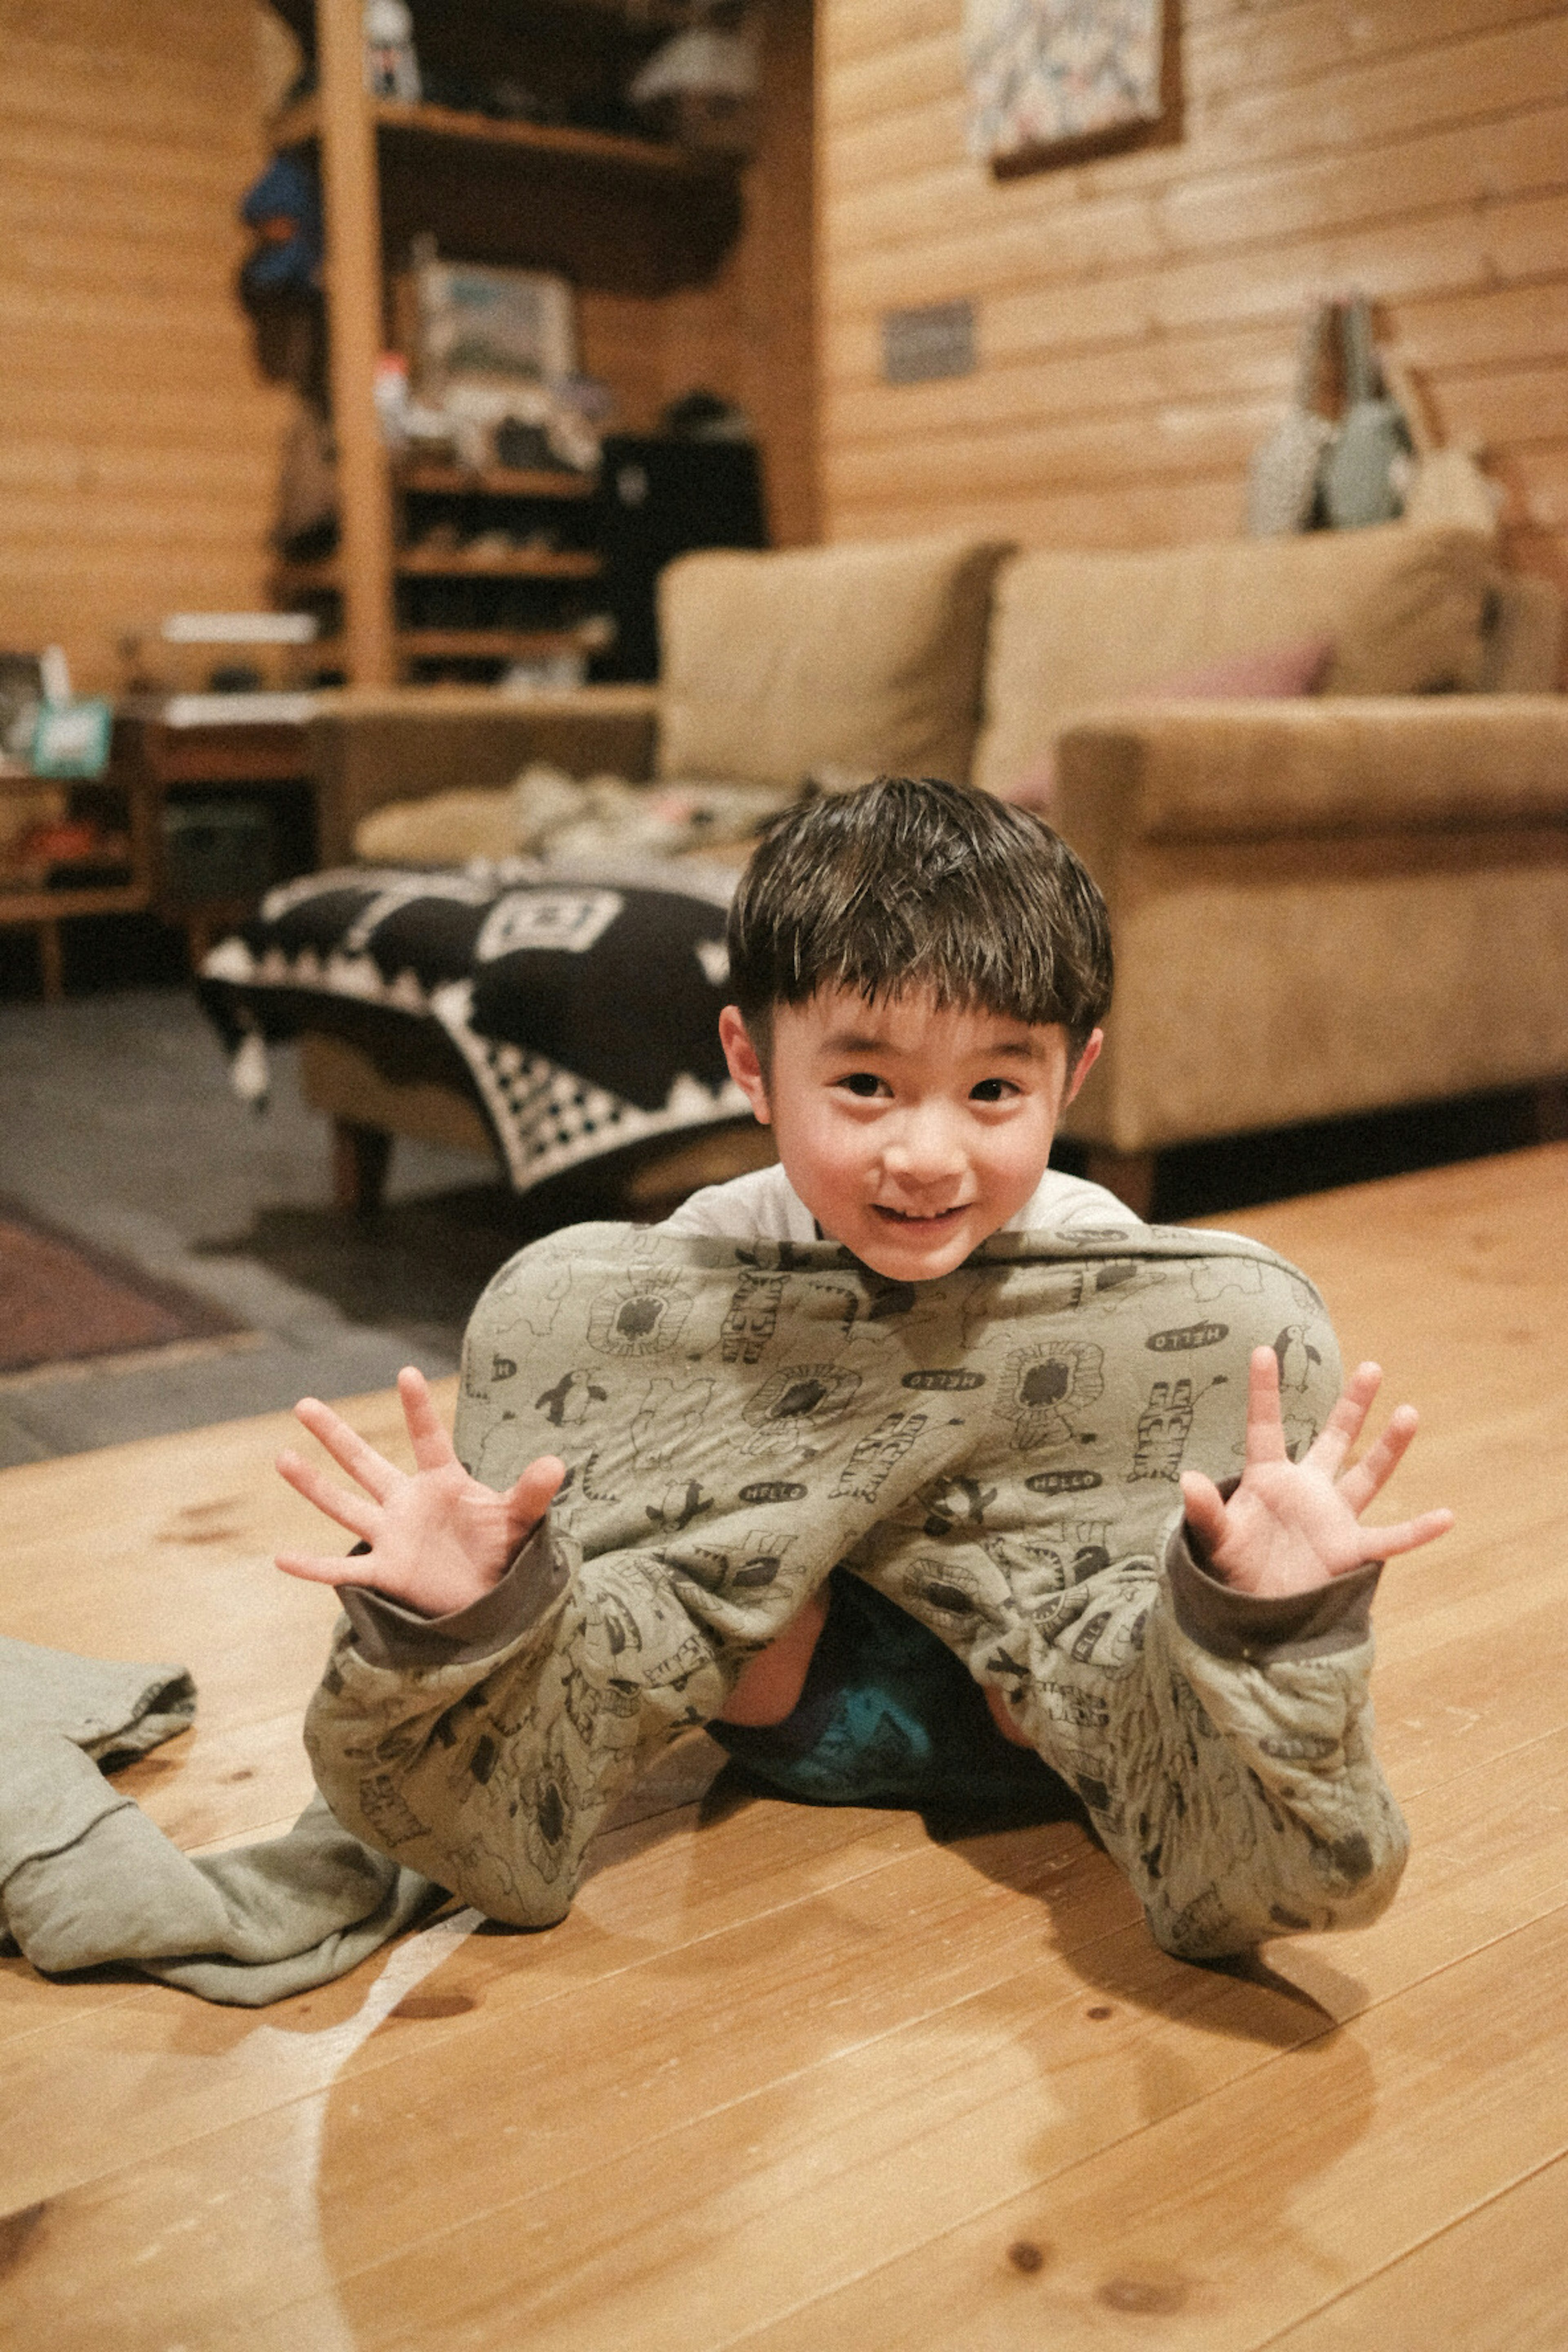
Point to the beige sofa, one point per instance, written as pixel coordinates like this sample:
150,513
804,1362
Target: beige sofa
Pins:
1322,904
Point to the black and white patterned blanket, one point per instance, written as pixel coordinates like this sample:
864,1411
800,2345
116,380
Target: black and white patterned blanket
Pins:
579,1006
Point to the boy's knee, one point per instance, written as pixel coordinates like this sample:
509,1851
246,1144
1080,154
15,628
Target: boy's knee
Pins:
769,1685
1345,1881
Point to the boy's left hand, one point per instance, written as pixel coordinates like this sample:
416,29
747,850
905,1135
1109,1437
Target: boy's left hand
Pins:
1292,1526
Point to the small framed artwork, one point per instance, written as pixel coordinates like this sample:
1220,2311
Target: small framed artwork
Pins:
1060,81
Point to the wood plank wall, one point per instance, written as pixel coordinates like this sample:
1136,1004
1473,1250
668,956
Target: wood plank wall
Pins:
1137,316
139,446
749,334
138,443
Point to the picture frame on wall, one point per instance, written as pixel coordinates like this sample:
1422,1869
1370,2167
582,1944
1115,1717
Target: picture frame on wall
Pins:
1053,81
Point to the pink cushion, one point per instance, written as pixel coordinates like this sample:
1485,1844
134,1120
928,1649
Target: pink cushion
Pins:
1272,673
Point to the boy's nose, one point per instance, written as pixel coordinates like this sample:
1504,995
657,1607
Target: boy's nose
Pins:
925,1149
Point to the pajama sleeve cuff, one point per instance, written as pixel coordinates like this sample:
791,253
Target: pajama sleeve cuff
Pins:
388,1635
1256,1630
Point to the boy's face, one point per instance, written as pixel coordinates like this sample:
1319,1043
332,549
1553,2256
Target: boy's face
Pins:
909,1133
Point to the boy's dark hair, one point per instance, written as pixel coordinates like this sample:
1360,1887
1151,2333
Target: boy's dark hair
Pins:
917,884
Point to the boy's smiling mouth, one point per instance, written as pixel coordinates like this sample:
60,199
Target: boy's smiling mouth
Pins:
919,1216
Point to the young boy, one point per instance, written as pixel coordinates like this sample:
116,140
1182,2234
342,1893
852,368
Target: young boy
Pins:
914,1355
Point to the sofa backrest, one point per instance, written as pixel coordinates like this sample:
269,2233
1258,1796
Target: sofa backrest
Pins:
1402,610
854,659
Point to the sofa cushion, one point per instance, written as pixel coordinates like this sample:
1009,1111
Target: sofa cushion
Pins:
1405,610
858,657
1275,674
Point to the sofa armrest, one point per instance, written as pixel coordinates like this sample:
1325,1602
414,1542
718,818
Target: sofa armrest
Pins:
1236,772
371,745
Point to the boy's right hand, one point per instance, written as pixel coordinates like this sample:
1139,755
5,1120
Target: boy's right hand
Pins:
1290,1527
437,1539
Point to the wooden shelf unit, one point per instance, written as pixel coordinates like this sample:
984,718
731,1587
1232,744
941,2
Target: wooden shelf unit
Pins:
149,762
466,597
43,905
622,214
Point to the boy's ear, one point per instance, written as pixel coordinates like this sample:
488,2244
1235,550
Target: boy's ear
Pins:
745,1067
1086,1062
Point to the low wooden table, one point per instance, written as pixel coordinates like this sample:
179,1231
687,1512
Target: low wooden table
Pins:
43,911
149,760
800,2075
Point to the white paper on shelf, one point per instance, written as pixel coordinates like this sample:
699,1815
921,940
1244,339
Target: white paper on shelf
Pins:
240,629
237,709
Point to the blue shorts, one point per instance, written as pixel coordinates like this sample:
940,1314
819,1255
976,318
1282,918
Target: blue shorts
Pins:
888,1715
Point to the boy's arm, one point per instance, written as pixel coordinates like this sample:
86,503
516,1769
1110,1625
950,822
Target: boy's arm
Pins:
1242,1795
1220,1737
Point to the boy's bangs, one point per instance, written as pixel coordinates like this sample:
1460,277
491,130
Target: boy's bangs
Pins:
1024,990
907,886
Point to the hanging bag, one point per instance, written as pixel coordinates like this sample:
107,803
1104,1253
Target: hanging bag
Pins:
1282,480
1359,470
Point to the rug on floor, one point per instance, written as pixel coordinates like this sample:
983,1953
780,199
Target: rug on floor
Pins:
63,1300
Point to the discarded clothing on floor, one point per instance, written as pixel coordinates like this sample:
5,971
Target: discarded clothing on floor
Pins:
86,1877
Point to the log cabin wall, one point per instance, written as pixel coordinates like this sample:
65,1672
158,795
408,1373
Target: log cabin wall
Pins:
1136,317
138,444
139,448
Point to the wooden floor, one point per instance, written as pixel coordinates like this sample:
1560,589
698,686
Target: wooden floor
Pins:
804,2079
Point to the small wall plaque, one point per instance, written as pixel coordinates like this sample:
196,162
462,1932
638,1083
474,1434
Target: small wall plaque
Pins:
920,344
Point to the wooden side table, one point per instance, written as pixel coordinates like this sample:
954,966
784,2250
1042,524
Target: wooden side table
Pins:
45,909
151,759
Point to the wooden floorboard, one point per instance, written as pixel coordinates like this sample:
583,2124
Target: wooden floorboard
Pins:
791,2077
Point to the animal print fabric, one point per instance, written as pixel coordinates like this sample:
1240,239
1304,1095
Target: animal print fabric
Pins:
997,1452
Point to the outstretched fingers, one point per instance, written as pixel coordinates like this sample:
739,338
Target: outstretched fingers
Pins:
349,1510
528,1501
1408,1536
1368,1477
1265,1426
311,1568
1205,1507
1348,1418
426,1431
1364,1480
348,1449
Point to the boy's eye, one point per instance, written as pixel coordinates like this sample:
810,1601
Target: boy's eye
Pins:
865,1083
992,1090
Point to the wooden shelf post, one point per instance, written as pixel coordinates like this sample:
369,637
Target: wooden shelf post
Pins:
352,201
